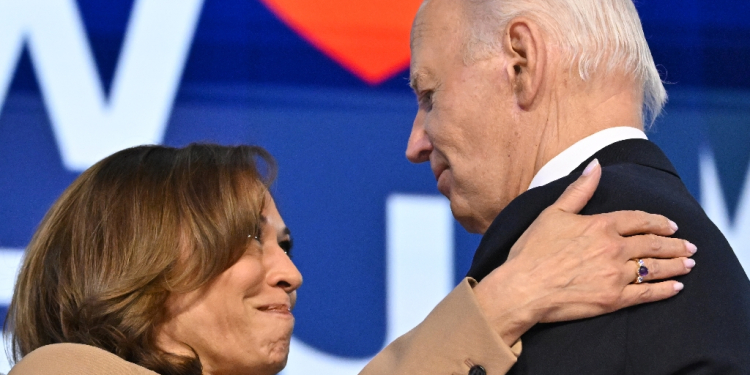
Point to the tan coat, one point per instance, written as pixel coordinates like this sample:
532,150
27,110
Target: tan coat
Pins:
452,339
75,359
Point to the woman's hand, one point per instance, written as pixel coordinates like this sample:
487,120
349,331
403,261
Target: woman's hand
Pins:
567,266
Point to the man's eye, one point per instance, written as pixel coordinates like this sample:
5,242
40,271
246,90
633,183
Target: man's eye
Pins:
425,99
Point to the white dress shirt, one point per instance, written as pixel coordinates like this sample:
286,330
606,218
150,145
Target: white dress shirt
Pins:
568,160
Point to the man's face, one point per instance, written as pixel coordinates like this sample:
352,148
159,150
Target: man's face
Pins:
467,122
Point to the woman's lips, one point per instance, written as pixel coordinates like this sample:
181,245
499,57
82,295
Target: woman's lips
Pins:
280,308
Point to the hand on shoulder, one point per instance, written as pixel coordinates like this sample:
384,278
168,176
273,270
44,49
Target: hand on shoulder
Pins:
568,266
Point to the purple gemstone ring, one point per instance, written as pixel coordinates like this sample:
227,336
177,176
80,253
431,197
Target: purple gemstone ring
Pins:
641,272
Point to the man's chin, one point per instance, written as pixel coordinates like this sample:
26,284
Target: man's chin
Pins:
471,223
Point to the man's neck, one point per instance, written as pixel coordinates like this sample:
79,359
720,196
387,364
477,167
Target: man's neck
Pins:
571,117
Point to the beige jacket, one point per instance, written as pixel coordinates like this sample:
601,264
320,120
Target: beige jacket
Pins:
75,359
452,339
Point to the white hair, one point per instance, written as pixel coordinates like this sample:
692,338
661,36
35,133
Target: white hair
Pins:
593,34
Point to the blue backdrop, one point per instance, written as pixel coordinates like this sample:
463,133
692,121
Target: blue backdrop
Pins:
241,74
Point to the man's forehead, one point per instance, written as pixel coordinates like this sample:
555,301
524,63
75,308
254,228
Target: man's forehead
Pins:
418,74
436,19
417,32
419,25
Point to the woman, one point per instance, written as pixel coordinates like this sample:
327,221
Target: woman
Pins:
176,261
172,259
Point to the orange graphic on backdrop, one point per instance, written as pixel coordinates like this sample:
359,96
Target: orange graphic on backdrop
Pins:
370,38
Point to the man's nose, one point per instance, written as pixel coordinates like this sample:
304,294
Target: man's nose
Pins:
419,147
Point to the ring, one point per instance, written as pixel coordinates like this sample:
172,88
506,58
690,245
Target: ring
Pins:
641,272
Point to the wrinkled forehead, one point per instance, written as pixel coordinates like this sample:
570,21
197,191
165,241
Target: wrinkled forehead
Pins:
437,20
417,27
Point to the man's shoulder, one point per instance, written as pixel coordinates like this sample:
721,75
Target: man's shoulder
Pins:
635,184
638,187
709,321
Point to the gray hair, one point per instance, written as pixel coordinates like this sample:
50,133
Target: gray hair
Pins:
590,33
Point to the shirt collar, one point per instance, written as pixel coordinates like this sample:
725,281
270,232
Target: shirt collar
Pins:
568,160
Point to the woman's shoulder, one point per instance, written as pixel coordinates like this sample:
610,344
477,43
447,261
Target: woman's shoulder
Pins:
78,359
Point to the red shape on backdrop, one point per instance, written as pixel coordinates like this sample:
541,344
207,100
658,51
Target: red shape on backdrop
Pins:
370,38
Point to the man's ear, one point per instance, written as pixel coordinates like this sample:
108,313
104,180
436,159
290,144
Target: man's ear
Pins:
527,55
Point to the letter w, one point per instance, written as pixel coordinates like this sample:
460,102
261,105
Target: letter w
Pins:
87,125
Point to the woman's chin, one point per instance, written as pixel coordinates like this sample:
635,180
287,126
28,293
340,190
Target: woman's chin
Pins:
277,351
278,357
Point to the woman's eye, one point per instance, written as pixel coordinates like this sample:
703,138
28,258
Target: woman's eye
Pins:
286,245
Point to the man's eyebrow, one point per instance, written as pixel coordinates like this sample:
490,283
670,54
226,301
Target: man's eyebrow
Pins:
413,82
417,79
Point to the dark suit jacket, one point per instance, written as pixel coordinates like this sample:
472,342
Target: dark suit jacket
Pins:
703,330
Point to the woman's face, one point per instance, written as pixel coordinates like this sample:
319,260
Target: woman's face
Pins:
241,322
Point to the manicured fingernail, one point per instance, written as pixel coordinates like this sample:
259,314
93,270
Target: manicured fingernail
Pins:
678,287
690,247
590,167
689,263
673,225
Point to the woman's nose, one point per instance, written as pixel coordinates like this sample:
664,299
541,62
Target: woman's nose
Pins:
282,272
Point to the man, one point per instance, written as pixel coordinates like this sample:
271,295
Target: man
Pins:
516,98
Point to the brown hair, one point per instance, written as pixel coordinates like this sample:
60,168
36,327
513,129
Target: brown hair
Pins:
138,225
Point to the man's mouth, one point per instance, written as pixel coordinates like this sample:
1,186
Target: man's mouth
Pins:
439,166
438,170
442,181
